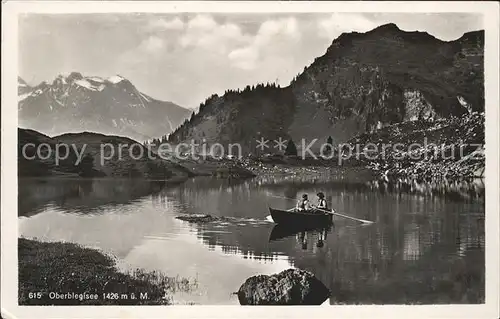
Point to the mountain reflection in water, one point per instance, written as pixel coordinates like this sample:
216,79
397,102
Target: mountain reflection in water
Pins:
424,247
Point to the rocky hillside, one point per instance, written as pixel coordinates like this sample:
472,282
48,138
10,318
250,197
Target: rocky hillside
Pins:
420,150
90,165
75,103
364,81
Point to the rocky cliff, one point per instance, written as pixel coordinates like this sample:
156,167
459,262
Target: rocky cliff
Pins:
364,81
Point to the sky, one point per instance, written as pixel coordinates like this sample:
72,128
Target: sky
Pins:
185,58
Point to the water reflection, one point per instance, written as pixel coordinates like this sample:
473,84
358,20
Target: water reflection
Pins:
303,237
407,253
81,196
457,190
421,249
282,231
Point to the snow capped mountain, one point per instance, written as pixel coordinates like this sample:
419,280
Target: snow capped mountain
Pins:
115,79
74,103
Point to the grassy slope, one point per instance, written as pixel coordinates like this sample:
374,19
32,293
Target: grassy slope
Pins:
127,166
156,168
69,268
143,167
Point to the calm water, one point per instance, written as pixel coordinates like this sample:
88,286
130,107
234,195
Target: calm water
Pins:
422,248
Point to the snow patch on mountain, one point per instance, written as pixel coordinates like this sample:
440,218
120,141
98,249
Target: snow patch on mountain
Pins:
145,97
172,128
115,79
22,97
37,92
86,84
96,79
464,103
64,74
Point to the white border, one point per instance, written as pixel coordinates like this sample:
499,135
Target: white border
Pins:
9,295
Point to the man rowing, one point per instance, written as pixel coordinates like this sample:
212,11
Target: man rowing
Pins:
322,202
303,205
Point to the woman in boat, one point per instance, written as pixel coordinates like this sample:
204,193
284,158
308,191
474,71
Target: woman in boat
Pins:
303,204
322,202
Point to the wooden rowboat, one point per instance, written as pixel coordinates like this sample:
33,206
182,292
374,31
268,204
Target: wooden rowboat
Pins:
299,219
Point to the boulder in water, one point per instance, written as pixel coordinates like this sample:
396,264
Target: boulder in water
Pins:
289,287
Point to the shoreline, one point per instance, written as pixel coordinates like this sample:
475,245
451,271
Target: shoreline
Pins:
60,273
408,180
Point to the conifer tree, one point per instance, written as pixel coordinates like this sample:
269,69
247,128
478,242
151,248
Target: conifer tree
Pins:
291,149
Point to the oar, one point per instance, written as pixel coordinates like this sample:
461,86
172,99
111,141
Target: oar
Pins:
345,216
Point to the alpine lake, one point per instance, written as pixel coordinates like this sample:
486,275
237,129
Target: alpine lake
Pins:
424,247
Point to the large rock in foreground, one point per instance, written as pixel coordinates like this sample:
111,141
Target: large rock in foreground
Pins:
289,287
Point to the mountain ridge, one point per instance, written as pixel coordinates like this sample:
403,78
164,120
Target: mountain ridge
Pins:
89,144
113,106
363,82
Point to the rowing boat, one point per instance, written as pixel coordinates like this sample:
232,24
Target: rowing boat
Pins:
294,218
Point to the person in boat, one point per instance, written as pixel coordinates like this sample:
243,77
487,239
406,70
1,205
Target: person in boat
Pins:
303,204
322,204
